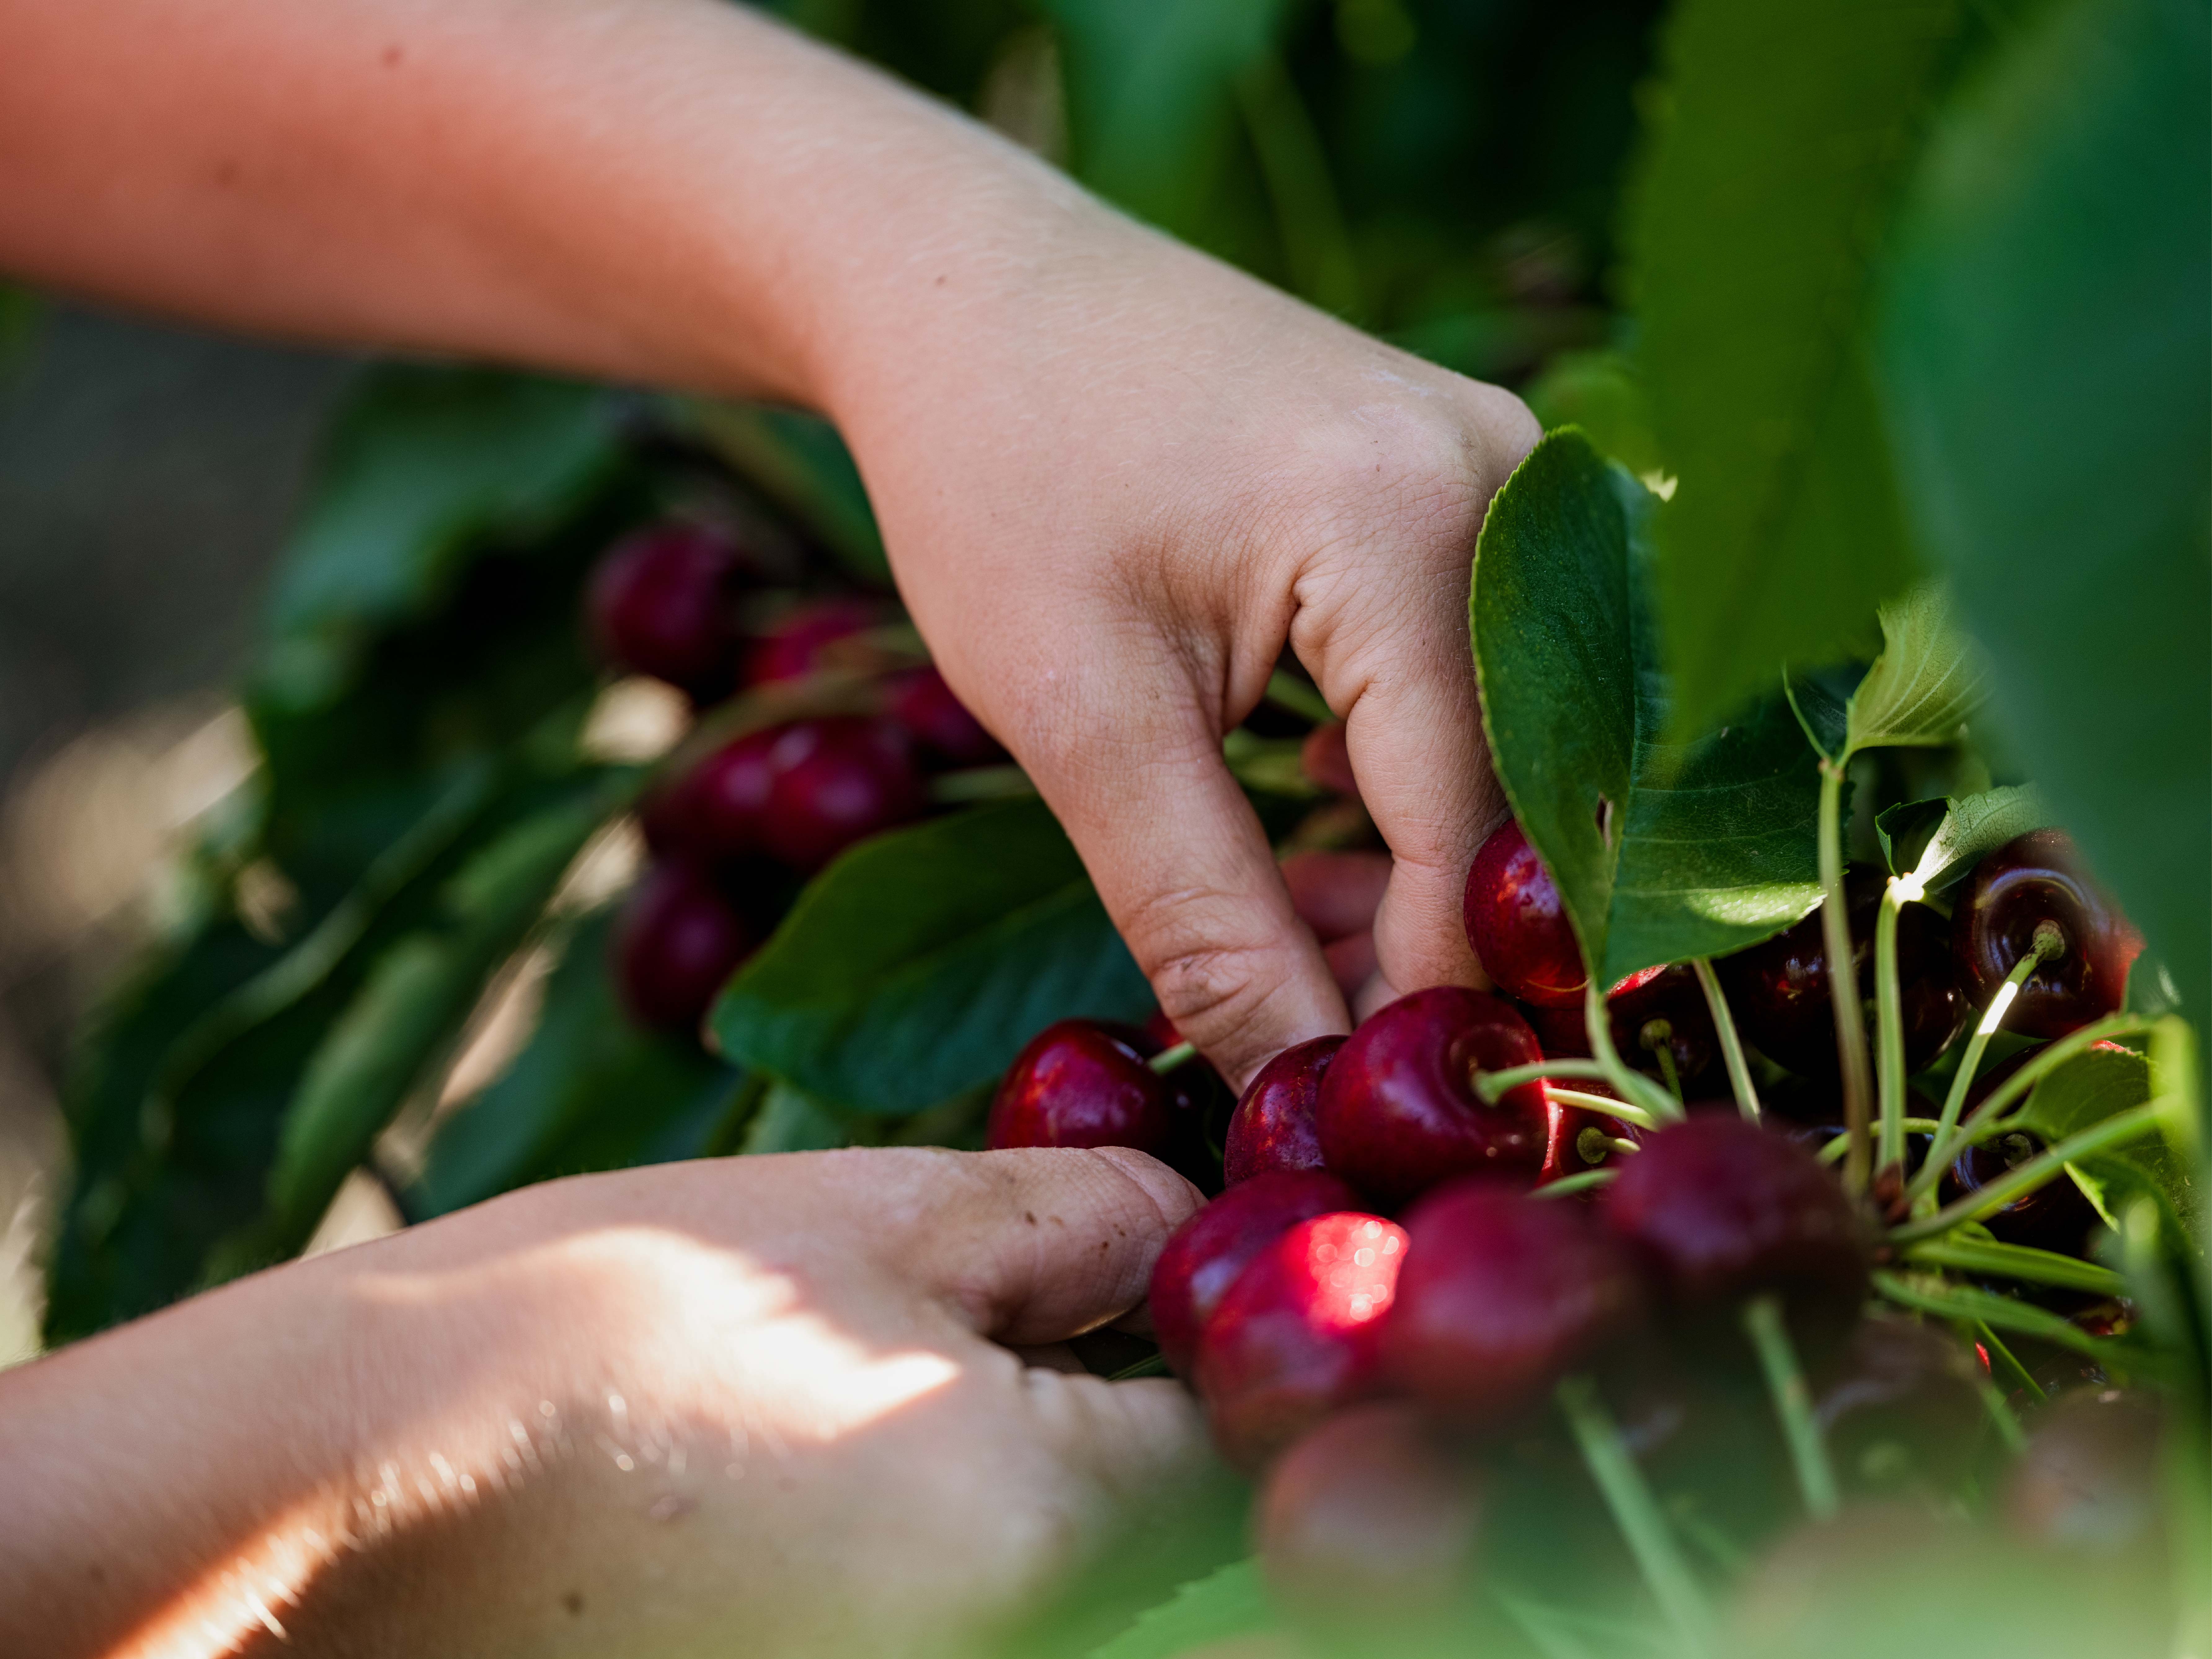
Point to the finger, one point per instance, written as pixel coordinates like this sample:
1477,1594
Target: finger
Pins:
1128,1438
1383,625
1187,876
1034,1246
1336,894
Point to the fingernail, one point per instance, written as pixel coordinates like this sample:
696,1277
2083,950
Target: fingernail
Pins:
1175,1197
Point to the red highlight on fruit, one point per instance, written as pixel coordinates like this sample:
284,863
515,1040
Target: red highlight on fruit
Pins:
1518,926
1502,1296
664,602
1272,1129
1397,1112
800,793
1203,1257
801,641
1082,1083
1296,1335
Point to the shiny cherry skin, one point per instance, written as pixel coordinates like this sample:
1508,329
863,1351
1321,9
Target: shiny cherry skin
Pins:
677,942
1372,1524
1203,1257
1274,1126
1295,1336
1397,1112
838,780
1501,1295
920,703
1518,926
1717,1210
1777,991
1082,1083
2056,1216
802,638
2031,879
664,602
1902,1409
1663,1005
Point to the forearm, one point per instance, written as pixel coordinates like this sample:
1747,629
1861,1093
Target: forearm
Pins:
673,191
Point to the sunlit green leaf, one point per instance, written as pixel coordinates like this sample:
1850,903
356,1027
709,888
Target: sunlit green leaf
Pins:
1940,841
1229,1603
1927,681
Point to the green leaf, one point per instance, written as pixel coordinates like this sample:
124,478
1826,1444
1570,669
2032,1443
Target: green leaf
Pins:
1940,841
1713,843
420,462
411,1009
1602,393
1927,681
590,1091
2044,339
1229,1601
1780,142
917,965
2085,1092
792,1121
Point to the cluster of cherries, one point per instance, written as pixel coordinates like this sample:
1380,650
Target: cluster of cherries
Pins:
1385,1288
731,837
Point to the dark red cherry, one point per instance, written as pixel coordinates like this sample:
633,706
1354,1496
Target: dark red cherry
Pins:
1203,1257
1719,1210
1578,1139
2056,1216
1518,925
1902,1409
2034,878
1081,1083
1372,1524
1274,1126
1398,1112
1778,991
1295,1336
801,640
923,706
834,782
1501,1295
2091,1479
664,602
1325,758
1664,1007
678,940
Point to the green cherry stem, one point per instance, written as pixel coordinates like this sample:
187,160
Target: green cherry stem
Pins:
1889,1021
1634,1086
1607,1105
2044,1167
1637,1513
1167,1058
1739,1069
1567,1186
2001,1355
1843,980
1491,1087
1793,1404
1659,1042
2046,935
1834,1151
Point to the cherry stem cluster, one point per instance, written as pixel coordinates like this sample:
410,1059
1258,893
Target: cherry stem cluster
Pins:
1637,1513
1971,1062
1632,1085
1739,1069
1606,1104
1793,1404
2044,1167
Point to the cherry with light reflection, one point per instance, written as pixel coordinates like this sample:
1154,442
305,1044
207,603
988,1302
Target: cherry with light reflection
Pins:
1204,1256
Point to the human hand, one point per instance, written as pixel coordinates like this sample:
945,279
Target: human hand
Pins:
761,1400
1116,478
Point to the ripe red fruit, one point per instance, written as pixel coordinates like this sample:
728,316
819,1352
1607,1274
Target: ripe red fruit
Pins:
664,602
923,707
835,781
2056,1216
797,644
1718,1209
1398,1112
1203,1257
2031,879
1081,1083
1372,1523
1325,758
677,941
1294,1337
1501,1295
1518,925
1663,1006
1274,1126
1778,991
